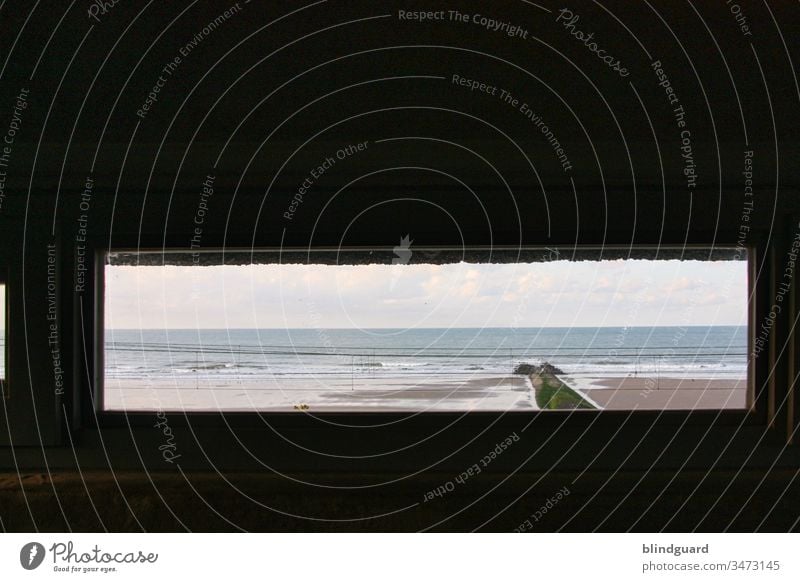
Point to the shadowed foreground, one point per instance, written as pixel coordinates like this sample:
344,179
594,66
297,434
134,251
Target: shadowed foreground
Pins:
205,502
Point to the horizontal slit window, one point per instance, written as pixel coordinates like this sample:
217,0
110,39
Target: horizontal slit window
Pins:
407,330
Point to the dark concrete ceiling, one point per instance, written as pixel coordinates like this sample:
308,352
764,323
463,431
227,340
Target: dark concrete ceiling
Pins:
261,99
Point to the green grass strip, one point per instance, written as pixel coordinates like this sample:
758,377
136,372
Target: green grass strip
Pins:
553,394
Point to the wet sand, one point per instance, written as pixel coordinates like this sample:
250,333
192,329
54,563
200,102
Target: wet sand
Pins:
450,394
643,393
485,393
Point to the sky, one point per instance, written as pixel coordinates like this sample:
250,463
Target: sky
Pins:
549,294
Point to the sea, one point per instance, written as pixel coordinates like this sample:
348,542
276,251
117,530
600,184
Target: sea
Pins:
253,354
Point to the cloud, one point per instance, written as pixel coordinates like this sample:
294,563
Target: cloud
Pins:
683,284
471,295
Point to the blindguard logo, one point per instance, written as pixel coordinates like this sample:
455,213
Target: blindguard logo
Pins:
31,555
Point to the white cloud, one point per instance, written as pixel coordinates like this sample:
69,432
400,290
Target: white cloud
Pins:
557,293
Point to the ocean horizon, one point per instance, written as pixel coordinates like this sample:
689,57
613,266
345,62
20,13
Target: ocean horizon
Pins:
253,353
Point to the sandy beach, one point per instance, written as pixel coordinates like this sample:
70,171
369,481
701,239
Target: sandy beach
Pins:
470,393
478,393
651,393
